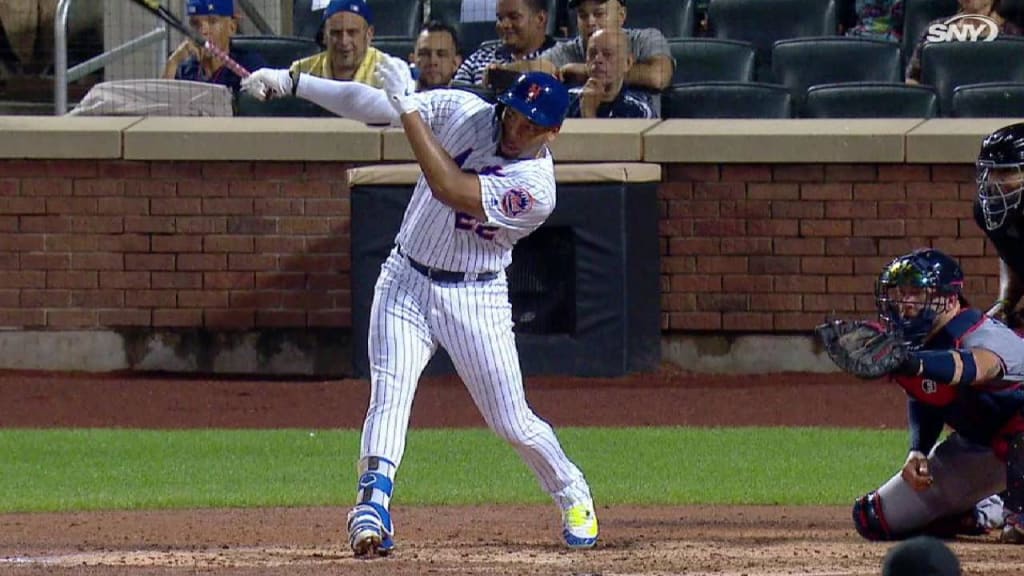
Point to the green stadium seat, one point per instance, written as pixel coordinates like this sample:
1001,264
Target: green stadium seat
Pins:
870,100
726,100
989,100
946,65
799,63
763,22
711,59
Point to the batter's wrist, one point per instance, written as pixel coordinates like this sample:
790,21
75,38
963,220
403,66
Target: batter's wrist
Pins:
402,104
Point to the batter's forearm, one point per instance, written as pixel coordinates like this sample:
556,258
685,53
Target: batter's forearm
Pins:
348,99
448,183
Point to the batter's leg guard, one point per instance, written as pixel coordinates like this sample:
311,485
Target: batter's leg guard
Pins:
370,530
869,520
1013,531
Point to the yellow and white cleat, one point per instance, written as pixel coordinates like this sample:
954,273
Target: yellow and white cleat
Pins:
579,525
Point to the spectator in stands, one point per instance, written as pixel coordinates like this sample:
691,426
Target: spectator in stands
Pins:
652,58
217,21
604,95
879,19
436,55
522,31
348,31
987,8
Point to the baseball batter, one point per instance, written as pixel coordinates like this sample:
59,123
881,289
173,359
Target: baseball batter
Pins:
487,181
964,372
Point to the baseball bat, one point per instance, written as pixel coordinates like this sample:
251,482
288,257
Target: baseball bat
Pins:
162,13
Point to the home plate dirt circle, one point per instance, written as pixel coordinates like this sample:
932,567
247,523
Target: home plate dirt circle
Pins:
484,540
456,540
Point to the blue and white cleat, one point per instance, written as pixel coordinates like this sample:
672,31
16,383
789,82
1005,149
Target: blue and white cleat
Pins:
579,525
367,533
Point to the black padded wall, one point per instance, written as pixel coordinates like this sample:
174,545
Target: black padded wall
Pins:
584,287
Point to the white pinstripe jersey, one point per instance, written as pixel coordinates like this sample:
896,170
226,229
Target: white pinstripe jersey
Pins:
518,194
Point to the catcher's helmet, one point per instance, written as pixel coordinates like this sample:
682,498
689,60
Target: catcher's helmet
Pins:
913,290
538,96
1000,176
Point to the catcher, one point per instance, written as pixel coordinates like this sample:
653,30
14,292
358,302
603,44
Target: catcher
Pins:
959,368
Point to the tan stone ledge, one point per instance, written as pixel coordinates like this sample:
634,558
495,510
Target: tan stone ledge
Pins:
944,140
53,138
777,141
952,140
407,174
269,139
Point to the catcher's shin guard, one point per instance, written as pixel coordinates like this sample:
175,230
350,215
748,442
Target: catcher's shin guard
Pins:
868,518
369,523
1013,531
1014,495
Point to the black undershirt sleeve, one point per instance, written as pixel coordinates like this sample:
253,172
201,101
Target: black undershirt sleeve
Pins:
925,425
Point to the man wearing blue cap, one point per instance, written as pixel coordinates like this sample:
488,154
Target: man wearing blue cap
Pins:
216,21
488,181
348,31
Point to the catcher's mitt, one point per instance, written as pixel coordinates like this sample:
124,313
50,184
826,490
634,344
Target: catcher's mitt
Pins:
863,349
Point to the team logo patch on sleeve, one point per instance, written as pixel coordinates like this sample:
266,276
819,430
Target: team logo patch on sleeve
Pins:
515,202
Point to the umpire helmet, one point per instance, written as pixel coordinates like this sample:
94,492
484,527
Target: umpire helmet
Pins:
1000,178
538,96
914,289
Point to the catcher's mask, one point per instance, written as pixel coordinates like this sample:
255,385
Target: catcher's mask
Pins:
914,289
1000,176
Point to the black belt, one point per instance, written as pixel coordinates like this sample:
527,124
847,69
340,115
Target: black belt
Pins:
438,275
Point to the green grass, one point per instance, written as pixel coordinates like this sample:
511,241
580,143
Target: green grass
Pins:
89,469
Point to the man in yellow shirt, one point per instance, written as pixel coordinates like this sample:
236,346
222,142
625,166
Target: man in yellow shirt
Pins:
348,31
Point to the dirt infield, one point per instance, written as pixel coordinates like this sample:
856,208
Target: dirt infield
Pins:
455,540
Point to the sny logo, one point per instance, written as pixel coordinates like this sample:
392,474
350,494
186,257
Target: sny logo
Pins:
964,28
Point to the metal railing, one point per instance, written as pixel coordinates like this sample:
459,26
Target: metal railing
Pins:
160,35
62,75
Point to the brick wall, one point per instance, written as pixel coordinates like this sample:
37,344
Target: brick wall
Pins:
235,245
223,245
763,248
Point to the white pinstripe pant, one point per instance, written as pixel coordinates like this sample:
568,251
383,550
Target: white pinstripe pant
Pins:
410,317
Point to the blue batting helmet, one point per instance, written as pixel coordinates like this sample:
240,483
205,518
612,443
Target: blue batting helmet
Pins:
913,290
538,96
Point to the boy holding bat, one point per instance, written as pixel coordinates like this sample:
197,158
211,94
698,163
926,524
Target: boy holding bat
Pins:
216,21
